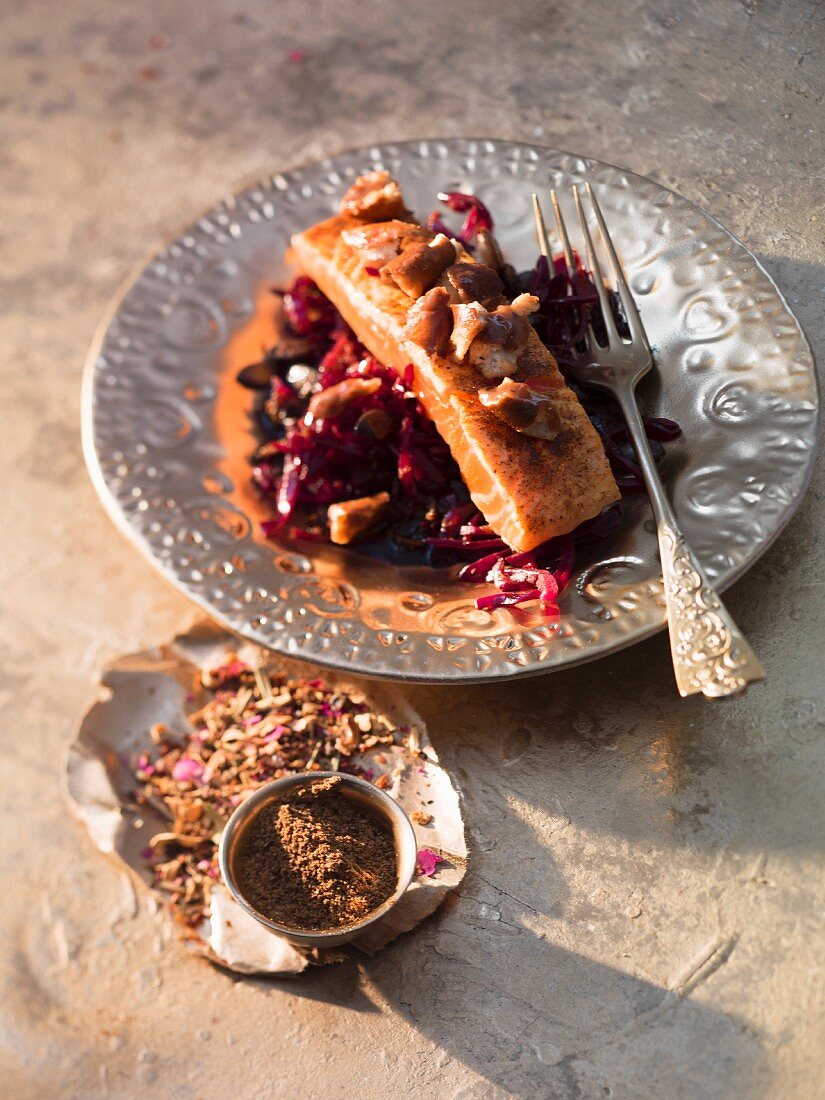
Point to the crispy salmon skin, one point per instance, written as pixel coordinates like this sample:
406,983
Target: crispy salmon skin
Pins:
532,461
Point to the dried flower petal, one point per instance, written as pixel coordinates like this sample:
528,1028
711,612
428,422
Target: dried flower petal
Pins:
187,770
426,862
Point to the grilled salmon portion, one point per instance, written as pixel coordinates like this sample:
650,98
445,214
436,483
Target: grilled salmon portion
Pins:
532,461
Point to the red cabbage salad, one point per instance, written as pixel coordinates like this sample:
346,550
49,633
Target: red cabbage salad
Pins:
383,441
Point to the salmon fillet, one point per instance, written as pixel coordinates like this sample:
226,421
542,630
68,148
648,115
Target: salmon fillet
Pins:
528,489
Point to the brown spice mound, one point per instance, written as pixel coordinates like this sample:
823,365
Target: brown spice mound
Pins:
316,860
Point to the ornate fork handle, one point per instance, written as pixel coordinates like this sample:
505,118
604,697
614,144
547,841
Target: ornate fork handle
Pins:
710,653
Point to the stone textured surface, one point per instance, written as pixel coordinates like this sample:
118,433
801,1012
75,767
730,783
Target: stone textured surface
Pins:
643,916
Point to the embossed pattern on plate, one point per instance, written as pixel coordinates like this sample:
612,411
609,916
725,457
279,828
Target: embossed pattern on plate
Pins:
167,431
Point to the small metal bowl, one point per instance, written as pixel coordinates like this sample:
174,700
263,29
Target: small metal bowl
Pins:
406,851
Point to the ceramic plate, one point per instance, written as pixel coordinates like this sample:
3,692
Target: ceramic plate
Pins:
167,430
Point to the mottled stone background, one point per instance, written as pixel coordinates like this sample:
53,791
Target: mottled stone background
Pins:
644,913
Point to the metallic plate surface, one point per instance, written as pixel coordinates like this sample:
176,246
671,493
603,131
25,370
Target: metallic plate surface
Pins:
167,431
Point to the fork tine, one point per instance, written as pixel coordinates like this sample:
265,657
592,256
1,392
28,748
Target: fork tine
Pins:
541,228
562,231
544,247
634,321
596,271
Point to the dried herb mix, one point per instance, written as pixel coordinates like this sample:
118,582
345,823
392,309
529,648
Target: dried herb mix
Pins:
316,859
250,728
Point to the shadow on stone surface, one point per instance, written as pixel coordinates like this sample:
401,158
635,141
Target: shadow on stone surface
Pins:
564,967
339,985
533,1019
536,1020
611,746
597,797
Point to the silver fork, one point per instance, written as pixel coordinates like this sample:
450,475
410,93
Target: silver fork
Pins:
710,653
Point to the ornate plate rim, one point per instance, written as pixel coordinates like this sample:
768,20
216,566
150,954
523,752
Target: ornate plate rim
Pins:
504,671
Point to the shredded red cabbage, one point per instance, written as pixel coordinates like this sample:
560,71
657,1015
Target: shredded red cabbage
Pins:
478,216
385,441
308,312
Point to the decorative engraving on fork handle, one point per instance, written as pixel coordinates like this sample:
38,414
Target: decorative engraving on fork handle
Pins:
710,655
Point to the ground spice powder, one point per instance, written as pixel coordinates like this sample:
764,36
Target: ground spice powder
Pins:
316,859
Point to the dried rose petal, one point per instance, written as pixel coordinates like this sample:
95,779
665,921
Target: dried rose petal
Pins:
276,734
426,862
187,770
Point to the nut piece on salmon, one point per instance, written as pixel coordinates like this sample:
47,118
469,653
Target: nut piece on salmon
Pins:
494,352
420,266
515,316
493,339
469,322
332,401
350,519
430,322
527,410
473,283
379,242
374,197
